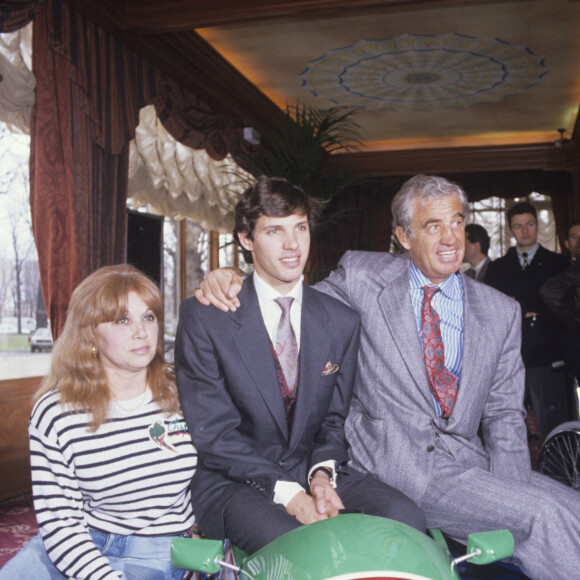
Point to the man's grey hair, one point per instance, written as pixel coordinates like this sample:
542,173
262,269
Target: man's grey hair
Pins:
422,188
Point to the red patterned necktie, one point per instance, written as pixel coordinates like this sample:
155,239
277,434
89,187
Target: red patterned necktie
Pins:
442,382
286,346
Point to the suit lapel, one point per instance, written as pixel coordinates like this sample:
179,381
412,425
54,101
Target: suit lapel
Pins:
474,340
395,303
251,340
314,348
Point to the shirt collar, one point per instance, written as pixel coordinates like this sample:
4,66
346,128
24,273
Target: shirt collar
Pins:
266,293
480,265
531,253
451,287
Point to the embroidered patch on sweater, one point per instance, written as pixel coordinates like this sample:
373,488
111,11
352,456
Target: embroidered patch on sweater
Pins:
166,436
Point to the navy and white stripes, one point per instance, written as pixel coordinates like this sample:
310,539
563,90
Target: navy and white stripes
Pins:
131,476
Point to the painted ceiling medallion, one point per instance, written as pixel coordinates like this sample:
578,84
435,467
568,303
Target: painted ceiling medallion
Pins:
423,72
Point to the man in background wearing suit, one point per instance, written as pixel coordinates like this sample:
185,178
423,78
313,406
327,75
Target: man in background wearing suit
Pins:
266,390
560,294
443,423
520,274
476,248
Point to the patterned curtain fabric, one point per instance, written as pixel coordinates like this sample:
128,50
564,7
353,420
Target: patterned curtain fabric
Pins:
15,14
79,152
194,123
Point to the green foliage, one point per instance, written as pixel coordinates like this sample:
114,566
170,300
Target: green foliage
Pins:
298,148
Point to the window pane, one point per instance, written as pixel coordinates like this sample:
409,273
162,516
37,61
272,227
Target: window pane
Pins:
21,304
491,214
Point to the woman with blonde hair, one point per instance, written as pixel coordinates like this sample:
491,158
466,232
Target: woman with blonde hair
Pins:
111,456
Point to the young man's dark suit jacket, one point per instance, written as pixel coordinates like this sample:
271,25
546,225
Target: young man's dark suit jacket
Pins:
231,399
539,338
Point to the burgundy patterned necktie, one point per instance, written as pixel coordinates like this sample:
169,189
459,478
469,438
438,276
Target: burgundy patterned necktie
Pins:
442,382
286,346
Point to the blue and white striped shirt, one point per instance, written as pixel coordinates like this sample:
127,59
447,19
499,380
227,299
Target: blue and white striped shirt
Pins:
449,303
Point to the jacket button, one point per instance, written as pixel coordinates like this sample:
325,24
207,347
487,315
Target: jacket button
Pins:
430,448
282,462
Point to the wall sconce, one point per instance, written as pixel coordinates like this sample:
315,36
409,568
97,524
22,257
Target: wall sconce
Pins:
561,140
251,135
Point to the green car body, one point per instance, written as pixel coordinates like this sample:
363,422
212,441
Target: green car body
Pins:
347,547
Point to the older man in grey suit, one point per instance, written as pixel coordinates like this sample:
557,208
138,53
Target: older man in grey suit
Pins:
437,409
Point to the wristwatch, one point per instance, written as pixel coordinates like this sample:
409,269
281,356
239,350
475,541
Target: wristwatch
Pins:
329,471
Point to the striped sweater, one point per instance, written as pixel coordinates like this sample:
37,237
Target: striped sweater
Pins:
131,476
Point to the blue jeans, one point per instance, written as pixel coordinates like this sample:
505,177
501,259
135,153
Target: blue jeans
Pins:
137,557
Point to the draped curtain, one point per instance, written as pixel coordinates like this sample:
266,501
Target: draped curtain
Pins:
15,14
89,91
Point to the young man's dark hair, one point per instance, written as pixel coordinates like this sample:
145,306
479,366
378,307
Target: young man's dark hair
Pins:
571,225
476,233
519,208
273,197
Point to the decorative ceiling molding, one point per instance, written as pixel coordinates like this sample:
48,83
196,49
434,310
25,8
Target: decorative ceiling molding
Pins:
420,72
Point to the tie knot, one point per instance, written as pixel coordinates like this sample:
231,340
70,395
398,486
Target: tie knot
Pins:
430,292
524,260
285,303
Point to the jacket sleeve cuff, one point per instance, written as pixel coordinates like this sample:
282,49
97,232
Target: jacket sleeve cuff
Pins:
284,491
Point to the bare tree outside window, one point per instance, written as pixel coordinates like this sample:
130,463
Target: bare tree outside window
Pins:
21,309
19,260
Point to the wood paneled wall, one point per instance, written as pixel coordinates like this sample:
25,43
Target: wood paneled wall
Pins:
15,406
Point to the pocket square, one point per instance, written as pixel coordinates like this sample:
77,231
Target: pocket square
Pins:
330,368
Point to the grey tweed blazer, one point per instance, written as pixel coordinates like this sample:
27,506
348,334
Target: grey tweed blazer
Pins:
392,428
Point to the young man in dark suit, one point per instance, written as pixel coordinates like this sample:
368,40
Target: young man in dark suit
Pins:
520,274
265,390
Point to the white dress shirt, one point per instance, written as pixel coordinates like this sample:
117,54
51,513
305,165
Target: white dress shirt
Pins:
284,491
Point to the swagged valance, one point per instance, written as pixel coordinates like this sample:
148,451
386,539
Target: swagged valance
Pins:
18,83
178,181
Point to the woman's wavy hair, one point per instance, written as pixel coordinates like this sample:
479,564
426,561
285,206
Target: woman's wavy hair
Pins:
76,370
